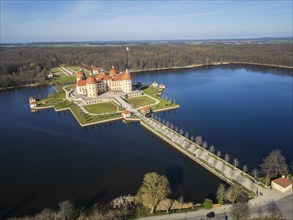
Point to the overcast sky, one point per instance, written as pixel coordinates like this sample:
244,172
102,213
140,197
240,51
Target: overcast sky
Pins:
30,21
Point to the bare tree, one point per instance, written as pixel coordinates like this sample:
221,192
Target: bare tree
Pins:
254,173
240,211
198,140
245,168
154,189
235,193
46,214
227,157
167,203
124,204
192,138
236,162
274,164
181,202
66,209
221,193
167,123
205,145
212,148
274,210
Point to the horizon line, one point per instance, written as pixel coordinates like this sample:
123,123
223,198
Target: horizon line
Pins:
89,41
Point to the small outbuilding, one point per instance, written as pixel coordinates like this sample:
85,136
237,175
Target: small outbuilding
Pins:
126,114
145,110
155,84
50,75
96,70
32,102
162,86
282,184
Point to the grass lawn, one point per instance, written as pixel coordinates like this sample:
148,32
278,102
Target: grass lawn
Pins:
162,104
62,79
137,102
74,68
55,70
102,108
68,88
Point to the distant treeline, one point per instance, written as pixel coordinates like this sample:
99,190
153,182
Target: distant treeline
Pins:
27,65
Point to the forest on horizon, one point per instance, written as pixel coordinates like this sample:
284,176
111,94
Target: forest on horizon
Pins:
27,65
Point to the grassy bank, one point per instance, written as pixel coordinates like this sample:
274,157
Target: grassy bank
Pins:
163,103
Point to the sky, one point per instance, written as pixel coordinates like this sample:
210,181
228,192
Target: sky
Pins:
48,21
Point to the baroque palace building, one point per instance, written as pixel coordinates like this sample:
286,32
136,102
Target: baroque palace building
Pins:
102,82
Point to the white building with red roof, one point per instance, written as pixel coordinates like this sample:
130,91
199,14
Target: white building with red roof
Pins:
126,114
96,70
145,110
282,184
32,102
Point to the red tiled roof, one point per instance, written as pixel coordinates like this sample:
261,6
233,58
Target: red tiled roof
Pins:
81,82
125,76
144,108
282,182
31,98
112,71
102,76
126,112
90,80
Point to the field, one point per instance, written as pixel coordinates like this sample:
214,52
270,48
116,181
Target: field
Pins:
137,102
102,108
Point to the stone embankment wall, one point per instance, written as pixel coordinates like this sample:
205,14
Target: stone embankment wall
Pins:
208,160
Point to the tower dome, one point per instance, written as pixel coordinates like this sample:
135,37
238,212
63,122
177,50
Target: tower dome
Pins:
90,80
125,76
112,71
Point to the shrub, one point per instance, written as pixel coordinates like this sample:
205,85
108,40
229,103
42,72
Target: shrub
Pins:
208,203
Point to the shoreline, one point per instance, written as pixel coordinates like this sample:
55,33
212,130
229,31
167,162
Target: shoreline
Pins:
211,64
76,118
168,68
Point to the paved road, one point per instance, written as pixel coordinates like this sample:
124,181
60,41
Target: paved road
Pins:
222,212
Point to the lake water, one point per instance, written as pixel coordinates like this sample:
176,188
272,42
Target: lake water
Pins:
46,157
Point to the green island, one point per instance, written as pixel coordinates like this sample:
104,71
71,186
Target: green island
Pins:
144,100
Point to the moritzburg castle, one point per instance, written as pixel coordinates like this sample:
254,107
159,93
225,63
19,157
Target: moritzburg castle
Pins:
102,82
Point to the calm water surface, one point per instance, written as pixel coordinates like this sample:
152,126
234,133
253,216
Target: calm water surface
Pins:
46,157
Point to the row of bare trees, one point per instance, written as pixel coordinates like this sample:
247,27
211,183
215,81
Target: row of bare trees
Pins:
200,141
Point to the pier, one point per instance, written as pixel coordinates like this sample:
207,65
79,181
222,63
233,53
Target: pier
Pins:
213,163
